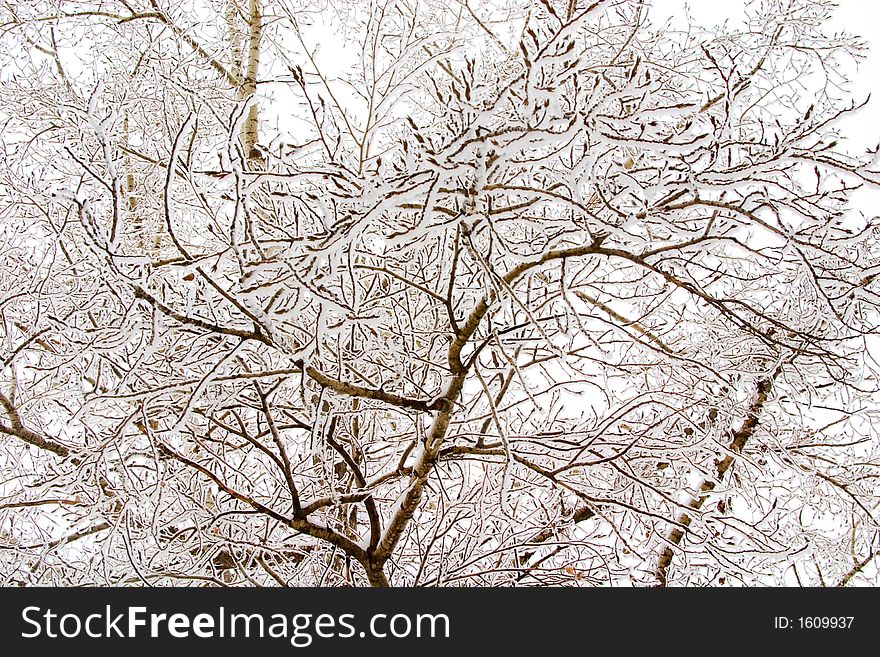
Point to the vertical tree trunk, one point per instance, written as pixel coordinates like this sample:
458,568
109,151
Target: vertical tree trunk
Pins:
146,239
245,67
135,220
250,128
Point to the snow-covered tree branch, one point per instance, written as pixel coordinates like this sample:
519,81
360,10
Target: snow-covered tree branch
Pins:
539,292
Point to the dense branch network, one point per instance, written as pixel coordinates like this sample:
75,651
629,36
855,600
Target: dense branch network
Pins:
538,294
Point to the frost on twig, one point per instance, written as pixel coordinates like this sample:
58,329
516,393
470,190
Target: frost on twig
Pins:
455,293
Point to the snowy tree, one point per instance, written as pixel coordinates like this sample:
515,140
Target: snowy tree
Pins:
440,293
